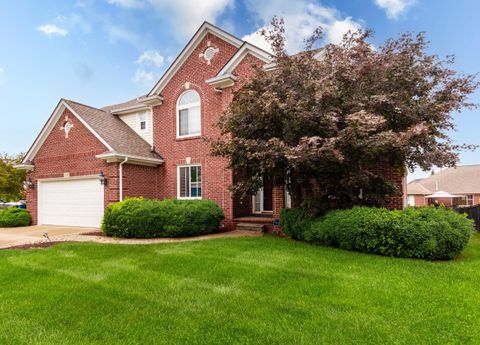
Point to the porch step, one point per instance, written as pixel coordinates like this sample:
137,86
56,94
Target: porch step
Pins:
254,227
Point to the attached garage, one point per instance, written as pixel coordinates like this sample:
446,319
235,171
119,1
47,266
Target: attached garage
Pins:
72,202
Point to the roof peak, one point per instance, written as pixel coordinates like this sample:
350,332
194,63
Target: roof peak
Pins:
82,104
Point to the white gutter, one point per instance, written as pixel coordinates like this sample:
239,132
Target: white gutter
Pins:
120,173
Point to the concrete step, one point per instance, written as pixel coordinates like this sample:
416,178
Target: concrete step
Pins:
254,227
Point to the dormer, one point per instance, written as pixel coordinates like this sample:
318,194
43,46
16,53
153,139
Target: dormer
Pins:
137,114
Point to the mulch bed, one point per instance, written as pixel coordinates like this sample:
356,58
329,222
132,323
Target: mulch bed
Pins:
35,245
93,233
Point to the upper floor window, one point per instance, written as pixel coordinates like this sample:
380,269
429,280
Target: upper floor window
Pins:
142,121
188,114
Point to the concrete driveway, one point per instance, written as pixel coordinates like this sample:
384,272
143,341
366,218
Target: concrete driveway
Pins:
29,234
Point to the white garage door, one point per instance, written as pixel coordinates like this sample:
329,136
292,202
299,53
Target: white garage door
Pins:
72,202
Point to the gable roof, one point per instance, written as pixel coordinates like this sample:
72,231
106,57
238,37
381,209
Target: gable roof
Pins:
120,137
416,188
246,48
462,179
112,132
204,29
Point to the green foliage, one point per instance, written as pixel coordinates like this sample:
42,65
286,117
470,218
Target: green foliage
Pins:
295,222
13,217
11,179
328,126
426,233
147,218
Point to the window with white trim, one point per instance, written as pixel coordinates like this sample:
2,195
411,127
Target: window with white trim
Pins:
190,182
142,121
188,114
469,199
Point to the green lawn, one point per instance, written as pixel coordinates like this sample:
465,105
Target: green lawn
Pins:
238,290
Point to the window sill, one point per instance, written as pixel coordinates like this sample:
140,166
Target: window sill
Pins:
190,137
185,198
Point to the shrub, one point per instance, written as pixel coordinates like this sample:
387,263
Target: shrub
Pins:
145,218
295,222
13,217
428,233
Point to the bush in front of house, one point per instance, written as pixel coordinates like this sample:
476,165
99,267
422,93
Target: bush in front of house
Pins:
148,218
13,217
295,222
424,233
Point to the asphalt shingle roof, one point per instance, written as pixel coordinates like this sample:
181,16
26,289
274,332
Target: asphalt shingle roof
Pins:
464,179
114,131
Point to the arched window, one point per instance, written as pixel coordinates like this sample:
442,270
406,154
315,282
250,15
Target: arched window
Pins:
188,114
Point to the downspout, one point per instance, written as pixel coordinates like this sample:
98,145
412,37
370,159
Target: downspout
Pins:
120,173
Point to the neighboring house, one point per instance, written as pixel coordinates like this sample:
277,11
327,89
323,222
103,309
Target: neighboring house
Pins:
462,182
153,146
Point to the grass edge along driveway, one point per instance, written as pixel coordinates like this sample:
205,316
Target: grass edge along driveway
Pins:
241,290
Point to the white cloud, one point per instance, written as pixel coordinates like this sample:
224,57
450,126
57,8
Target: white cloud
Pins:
143,77
258,40
119,33
185,15
395,8
72,22
151,56
301,19
340,27
127,3
52,30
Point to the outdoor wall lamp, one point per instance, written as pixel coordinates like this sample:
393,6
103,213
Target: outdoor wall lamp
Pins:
29,184
102,178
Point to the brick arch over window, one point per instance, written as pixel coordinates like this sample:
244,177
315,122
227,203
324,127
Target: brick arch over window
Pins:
188,114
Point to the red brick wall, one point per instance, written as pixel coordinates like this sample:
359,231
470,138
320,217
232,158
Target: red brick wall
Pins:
216,178
396,201
420,200
141,180
74,155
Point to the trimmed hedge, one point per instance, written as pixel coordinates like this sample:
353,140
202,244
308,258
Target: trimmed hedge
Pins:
147,218
425,233
295,222
13,217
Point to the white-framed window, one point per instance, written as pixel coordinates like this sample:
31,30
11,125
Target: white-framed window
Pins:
469,199
410,200
188,114
189,179
142,121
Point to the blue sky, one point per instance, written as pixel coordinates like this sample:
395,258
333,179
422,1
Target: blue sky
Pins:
105,51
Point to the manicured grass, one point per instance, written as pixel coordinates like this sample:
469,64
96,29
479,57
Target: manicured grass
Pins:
244,290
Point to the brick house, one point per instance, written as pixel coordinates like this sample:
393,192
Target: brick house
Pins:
86,158
462,182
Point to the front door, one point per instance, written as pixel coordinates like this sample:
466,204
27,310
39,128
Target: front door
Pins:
262,201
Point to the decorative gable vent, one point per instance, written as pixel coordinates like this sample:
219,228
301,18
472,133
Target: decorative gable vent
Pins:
67,126
209,53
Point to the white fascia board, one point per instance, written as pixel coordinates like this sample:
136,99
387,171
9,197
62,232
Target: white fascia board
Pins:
128,110
28,167
113,156
246,48
47,128
222,82
145,104
204,29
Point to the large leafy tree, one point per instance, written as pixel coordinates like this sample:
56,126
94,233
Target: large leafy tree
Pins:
324,122
11,179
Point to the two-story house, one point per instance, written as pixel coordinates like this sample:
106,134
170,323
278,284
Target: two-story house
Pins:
86,158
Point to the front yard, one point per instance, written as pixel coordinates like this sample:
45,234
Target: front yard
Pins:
243,290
